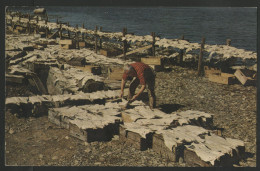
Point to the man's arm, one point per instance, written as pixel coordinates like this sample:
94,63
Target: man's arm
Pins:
137,95
122,87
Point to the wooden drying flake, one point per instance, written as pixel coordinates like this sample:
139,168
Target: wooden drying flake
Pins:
133,137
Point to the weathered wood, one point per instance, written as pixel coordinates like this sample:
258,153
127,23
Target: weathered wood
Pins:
245,77
14,78
115,73
124,43
55,33
153,43
100,38
132,135
96,39
88,123
66,42
109,52
201,56
213,150
223,78
135,51
228,42
152,60
82,44
208,71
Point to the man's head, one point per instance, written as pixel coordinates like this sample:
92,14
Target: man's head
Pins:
128,69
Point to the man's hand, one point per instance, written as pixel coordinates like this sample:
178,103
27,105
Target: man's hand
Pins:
122,94
133,98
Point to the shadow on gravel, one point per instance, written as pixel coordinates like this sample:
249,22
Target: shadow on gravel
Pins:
169,108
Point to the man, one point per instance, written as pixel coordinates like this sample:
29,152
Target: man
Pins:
143,75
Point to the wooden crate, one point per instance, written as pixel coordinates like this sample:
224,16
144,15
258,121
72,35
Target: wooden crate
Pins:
155,61
116,73
109,53
82,44
223,78
91,134
245,77
208,71
132,139
158,145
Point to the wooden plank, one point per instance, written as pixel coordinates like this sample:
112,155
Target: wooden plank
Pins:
135,51
152,60
14,78
66,42
55,33
223,78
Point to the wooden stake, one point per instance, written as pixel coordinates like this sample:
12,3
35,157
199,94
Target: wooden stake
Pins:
47,18
96,39
77,38
68,30
83,25
153,43
180,57
60,31
100,38
124,43
201,56
46,32
228,42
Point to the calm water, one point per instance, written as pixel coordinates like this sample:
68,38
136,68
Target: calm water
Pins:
216,24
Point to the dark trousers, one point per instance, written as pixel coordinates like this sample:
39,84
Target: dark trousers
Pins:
150,83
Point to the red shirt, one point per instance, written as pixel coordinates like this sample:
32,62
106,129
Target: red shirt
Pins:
139,68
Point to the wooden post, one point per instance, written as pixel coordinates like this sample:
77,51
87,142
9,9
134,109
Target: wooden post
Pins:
228,42
37,19
100,38
46,19
83,25
153,43
77,38
201,56
60,31
96,39
68,30
57,21
124,43
180,57
46,32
